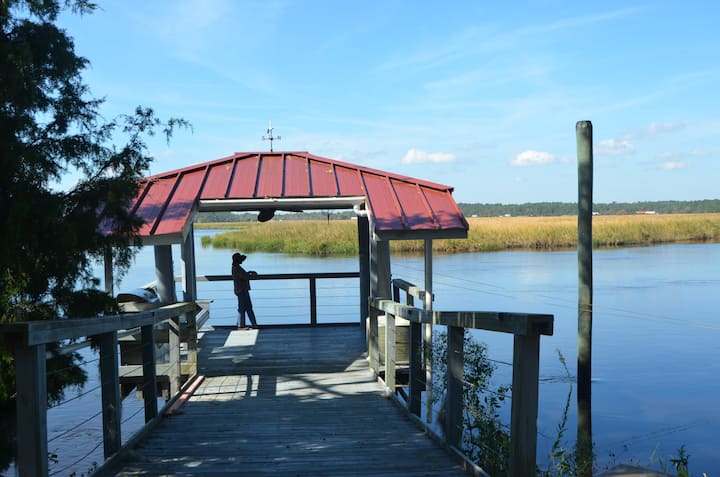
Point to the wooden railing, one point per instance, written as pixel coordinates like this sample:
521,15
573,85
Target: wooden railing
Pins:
312,279
526,328
28,340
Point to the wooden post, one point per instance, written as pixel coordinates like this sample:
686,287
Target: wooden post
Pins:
187,253
165,274
523,419
149,389
390,353
417,373
585,285
455,376
364,266
313,301
380,287
31,405
427,330
108,265
110,386
174,355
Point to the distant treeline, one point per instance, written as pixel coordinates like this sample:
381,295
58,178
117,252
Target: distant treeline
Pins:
536,209
546,209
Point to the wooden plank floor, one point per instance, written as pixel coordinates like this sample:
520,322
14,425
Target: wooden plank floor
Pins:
287,401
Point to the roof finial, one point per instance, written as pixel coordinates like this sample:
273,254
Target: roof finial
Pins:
270,136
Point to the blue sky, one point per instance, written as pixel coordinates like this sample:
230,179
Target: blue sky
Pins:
482,96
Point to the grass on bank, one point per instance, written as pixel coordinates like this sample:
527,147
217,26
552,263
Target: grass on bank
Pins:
486,234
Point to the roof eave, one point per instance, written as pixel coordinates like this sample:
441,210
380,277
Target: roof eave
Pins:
315,203
421,234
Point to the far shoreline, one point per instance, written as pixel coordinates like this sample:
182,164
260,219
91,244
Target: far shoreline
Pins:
486,234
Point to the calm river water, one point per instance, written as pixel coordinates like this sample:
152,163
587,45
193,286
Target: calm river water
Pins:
656,337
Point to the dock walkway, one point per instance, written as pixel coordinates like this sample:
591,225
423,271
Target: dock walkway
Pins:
286,401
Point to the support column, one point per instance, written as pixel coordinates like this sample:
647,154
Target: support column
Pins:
584,455
364,266
379,288
189,283
427,329
165,274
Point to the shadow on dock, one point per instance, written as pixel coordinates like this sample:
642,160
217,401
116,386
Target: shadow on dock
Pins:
286,401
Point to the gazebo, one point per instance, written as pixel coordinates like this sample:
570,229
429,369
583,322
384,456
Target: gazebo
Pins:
388,207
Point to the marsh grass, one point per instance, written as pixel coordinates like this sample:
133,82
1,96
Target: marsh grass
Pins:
486,234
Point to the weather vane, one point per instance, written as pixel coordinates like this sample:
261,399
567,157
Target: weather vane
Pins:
270,136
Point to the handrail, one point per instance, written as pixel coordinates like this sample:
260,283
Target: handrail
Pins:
28,340
311,277
526,328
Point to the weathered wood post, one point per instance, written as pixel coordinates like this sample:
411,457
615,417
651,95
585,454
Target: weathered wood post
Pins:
585,286
149,386
110,388
189,281
363,229
174,370
417,373
313,301
108,266
31,403
524,409
455,376
379,288
427,329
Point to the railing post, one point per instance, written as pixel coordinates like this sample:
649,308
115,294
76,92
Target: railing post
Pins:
110,385
455,376
390,353
313,301
31,403
372,340
416,373
523,420
174,354
149,388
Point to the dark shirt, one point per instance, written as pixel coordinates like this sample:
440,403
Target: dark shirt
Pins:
241,279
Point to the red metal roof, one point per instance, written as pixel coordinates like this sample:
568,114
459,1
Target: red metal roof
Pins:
398,206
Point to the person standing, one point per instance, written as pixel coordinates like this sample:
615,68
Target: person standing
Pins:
241,282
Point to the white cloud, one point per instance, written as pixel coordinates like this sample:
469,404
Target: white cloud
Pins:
671,165
658,128
614,147
533,158
699,153
416,156
672,156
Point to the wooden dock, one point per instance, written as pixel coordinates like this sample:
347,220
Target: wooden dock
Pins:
297,401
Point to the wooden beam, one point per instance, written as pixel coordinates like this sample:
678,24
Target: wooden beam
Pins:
31,333
506,322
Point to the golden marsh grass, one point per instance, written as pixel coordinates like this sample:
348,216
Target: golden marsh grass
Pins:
486,234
